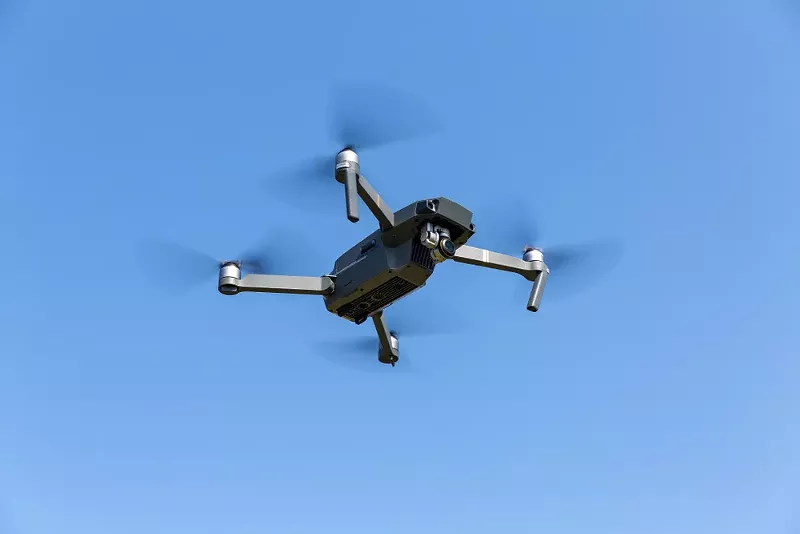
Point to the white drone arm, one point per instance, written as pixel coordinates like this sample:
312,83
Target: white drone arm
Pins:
531,266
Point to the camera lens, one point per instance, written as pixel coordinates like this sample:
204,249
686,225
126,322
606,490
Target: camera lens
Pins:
447,247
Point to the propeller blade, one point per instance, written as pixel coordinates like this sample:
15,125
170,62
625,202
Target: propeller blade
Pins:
405,319
573,268
577,268
360,116
181,268
360,353
260,258
176,267
313,175
408,323
286,250
366,116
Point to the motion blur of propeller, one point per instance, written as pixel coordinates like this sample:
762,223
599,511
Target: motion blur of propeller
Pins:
368,116
182,268
361,116
573,268
360,353
406,322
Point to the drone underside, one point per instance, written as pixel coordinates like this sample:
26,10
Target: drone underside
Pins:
392,262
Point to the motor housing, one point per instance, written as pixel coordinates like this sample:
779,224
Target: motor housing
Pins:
229,274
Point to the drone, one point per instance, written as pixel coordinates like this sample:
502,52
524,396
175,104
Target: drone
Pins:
392,262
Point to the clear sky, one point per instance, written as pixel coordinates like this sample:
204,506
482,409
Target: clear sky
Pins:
663,399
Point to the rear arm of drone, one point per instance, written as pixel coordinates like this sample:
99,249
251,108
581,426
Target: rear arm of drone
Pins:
348,172
231,282
534,270
375,204
389,349
296,285
356,183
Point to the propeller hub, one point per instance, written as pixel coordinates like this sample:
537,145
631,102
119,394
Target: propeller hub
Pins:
533,254
229,274
346,155
346,165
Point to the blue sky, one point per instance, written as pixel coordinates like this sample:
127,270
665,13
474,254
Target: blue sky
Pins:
663,399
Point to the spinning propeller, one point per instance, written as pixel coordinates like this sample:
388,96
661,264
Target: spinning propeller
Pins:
185,267
368,116
405,322
573,268
360,117
360,353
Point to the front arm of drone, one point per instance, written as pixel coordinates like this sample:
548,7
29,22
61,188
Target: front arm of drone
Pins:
531,266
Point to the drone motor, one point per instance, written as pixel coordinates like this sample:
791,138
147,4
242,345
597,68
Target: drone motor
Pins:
347,171
229,273
533,254
391,356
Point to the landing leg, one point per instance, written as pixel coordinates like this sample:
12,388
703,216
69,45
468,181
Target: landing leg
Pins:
390,346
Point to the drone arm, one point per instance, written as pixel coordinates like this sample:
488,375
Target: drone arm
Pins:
498,261
375,204
535,298
351,194
389,351
271,283
383,331
535,271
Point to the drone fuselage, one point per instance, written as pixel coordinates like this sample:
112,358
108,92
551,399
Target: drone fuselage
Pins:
390,264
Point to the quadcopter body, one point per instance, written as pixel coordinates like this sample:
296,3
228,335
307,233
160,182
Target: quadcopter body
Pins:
392,262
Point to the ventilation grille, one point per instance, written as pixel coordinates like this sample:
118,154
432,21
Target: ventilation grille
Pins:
374,300
422,256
